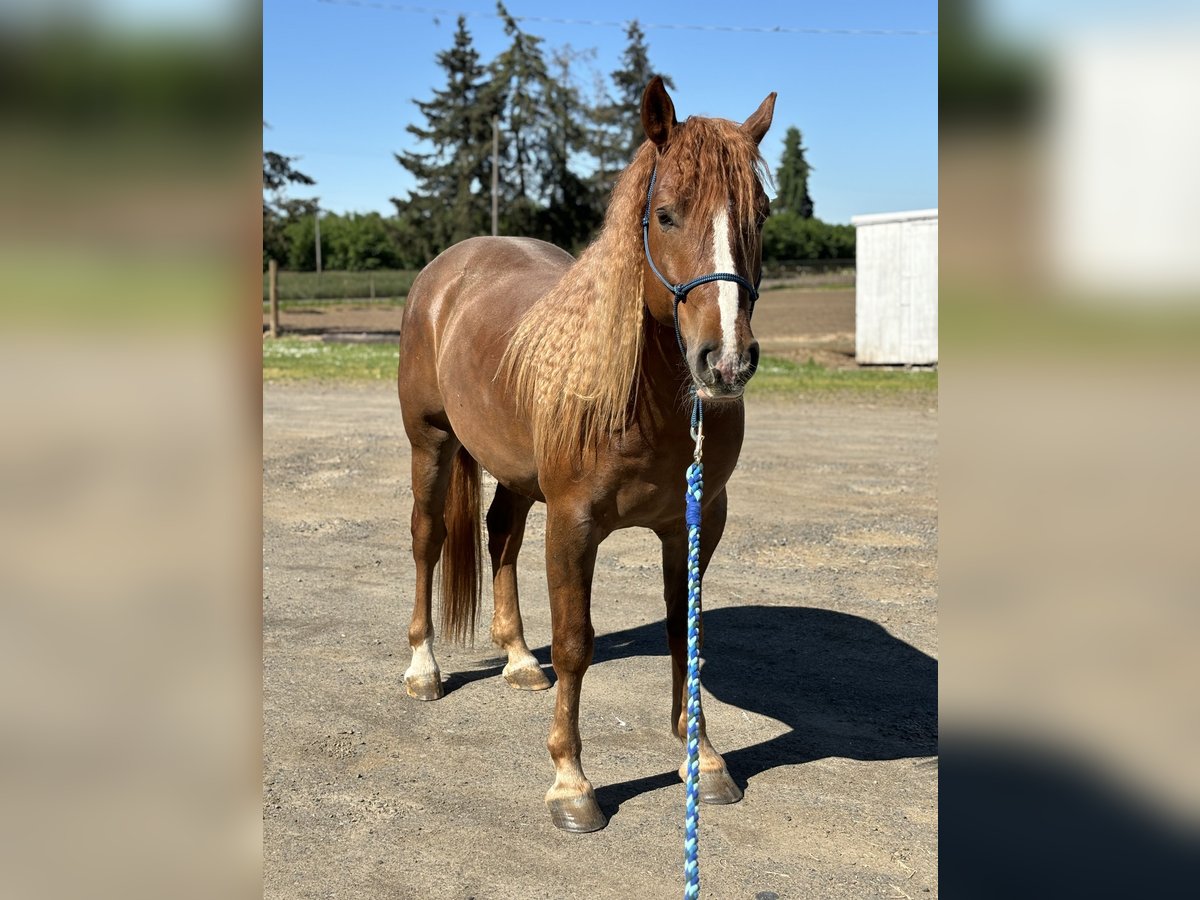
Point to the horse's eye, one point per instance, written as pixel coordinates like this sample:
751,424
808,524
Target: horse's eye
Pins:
664,219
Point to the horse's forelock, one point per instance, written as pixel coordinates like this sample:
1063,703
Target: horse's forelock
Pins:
714,165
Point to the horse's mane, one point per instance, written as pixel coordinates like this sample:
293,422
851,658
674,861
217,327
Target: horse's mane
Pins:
575,358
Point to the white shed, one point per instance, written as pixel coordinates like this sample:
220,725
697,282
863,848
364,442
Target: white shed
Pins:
896,294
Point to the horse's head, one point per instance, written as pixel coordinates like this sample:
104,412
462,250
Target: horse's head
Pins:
706,214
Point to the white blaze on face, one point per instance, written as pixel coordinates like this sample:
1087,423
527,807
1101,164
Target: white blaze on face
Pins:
727,298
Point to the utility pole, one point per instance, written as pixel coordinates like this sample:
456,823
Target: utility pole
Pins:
495,176
317,217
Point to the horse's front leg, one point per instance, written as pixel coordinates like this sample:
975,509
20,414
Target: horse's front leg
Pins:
716,785
571,542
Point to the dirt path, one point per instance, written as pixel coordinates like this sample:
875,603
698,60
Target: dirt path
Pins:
789,323
820,677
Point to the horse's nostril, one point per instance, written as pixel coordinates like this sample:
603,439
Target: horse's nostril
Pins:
751,359
707,356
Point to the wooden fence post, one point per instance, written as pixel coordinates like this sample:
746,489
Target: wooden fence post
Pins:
272,273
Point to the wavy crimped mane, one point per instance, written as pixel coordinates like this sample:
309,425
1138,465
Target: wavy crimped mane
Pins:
575,358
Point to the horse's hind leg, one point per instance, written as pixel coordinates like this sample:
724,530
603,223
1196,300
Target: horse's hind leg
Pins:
716,785
432,456
506,529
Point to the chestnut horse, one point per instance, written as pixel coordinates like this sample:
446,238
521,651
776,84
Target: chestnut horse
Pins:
564,380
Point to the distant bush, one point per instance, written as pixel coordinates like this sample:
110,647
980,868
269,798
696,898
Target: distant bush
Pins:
355,242
365,242
787,236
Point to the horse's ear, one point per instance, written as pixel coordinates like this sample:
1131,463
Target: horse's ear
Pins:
658,112
756,126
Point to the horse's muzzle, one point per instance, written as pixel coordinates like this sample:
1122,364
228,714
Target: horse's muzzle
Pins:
724,376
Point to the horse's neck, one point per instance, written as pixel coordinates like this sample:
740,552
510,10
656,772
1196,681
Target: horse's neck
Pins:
664,374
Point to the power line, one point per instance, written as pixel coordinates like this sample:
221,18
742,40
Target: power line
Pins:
669,26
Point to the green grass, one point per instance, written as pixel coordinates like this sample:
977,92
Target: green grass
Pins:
808,286
389,284
292,359
781,376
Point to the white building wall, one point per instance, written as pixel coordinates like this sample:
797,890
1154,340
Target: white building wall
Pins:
896,296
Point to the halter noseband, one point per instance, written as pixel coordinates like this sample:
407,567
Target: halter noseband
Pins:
682,289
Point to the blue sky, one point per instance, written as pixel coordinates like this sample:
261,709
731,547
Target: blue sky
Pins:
339,80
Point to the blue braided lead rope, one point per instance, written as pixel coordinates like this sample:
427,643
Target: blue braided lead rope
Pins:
695,492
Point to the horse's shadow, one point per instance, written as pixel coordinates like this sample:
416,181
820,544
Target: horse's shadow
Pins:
841,684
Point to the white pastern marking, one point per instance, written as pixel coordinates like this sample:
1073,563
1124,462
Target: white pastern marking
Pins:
727,296
423,662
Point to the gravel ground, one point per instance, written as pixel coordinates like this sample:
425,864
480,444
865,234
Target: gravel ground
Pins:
820,677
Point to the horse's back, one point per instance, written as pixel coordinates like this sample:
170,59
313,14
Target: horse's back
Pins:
512,272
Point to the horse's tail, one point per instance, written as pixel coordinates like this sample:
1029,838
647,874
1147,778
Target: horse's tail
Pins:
461,575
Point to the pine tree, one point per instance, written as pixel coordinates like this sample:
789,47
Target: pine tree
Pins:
630,81
544,131
278,173
452,199
617,116
520,72
792,178
571,211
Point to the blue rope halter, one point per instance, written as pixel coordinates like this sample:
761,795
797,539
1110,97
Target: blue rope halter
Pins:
694,494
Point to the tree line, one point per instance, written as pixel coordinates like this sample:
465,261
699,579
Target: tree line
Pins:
561,146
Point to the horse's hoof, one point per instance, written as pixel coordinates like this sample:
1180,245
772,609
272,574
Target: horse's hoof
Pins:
424,687
576,814
719,788
527,678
